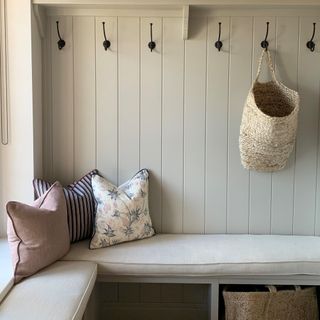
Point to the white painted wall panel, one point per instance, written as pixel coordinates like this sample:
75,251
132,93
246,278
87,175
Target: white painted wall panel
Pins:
177,111
37,97
47,112
84,95
240,81
260,183
217,127
129,97
17,157
151,112
62,101
286,69
194,127
107,98
307,139
172,125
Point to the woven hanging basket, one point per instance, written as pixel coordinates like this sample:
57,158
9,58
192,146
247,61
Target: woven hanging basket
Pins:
269,123
298,304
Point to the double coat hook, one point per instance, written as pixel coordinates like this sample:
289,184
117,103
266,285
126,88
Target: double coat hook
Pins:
310,44
151,44
106,42
218,44
61,42
265,43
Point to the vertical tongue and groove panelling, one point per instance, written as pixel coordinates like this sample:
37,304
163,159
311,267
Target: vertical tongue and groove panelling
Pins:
177,111
62,101
261,183
172,126
287,46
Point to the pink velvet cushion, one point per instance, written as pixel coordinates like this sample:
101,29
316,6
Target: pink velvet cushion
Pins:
38,235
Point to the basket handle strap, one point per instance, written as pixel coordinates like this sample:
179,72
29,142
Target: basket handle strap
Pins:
272,288
269,62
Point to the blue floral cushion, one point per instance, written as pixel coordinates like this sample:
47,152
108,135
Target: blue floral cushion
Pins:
122,212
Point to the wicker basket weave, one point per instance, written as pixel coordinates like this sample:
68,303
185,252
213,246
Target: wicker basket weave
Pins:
269,123
299,304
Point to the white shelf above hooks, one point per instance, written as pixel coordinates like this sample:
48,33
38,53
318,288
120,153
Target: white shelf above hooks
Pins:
175,8
180,3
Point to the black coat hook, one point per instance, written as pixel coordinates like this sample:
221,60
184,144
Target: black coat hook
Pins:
61,42
218,44
265,43
310,44
151,44
106,42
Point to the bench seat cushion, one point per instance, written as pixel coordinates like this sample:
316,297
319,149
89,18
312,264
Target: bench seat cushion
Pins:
58,292
206,255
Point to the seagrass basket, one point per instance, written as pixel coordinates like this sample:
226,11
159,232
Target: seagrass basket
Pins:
269,123
297,304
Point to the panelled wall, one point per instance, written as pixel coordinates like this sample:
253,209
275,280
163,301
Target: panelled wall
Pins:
177,111
17,156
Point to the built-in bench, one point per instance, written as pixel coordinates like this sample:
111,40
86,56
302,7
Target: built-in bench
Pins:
210,259
184,255
58,292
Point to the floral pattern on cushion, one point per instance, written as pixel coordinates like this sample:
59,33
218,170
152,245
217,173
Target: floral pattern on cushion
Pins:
122,212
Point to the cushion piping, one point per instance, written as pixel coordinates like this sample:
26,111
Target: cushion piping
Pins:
189,264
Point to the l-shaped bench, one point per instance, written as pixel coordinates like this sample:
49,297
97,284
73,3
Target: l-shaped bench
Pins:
164,258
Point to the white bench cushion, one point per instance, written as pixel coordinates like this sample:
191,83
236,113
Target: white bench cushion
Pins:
6,270
206,255
58,292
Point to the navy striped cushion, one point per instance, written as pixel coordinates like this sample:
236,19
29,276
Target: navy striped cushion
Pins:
80,205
